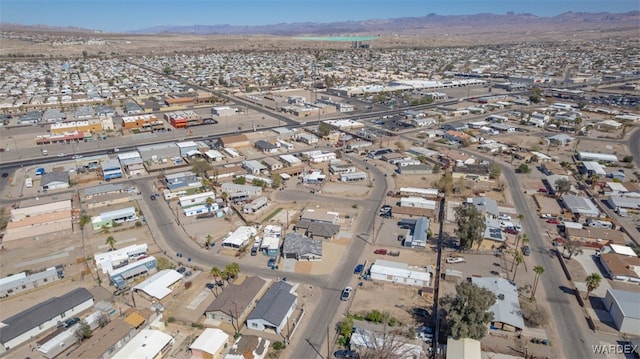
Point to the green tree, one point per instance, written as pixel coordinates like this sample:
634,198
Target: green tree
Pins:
200,167
84,220
627,159
240,180
470,225
232,269
445,183
538,270
535,95
466,312
111,242
209,201
276,180
346,326
524,168
224,196
563,186
593,282
516,262
494,170
84,331
324,129
375,316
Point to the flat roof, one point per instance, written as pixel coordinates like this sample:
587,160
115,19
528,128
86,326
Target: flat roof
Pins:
210,341
147,344
158,285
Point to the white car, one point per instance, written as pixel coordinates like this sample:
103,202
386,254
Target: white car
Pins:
346,293
504,217
75,157
455,259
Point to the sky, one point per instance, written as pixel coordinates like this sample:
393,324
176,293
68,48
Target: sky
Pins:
126,15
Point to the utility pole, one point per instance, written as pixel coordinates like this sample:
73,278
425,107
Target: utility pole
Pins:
328,344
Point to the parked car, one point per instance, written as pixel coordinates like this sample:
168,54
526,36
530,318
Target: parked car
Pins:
346,293
181,270
271,262
393,253
381,251
210,285
553,221
70,322
542,190
346,354
546,216
526,250
455,259
5,175
358,269
254,251
510,230
504,217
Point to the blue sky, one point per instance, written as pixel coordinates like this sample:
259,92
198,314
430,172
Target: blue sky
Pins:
124,15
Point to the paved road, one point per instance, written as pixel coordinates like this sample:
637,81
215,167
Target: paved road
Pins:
634,146
172,239
576,336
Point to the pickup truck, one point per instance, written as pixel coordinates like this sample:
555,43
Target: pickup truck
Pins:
393,253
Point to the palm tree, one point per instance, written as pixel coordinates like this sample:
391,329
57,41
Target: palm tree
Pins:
517,261
538,270
224,196
207,244
525,240
521,218
216,273
232,269
209,201
111,242
593,282
523,237
84,220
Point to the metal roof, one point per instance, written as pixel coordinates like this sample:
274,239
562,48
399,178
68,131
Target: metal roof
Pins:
628,302
237,296
298,244
506,309
41,313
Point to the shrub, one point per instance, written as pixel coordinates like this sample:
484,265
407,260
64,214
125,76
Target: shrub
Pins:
171,320
279,345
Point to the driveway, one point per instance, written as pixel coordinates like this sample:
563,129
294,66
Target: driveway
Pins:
588,262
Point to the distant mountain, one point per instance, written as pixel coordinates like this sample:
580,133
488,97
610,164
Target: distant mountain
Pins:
405,24
6,26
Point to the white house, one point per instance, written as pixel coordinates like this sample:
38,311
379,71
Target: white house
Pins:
274,309
149,343
239,237
212,343
399,273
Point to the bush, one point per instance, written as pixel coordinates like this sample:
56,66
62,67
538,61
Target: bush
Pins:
197,325
627,159
374,316
171,320
279,345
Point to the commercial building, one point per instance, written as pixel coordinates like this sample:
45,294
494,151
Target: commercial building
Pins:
274,309
507,314
187,148
89,126
40,318
107,219
159,152
40,220
235,141
624,308
181,119
399,273
141,122
236,300
222,111
111,169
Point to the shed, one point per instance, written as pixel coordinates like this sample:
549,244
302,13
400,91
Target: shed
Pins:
463,348
212,343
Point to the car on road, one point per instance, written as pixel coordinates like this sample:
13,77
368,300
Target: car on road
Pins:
381,251
358,269
553,221
75,157
346,354
61,154
455,260
526,250
346,293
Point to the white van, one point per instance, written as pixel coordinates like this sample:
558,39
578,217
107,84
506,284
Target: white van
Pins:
28,182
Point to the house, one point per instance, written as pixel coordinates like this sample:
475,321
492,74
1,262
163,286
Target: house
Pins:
121,275
314,176
291,160
472,172
580,206
415,169
317,230
591,168
377,154
307,138
316,216
113,259
213,155
54,180
485,205
22,281
239,237
399,273
274,309
463,348
418,233
148,343
119,216
353,177
248,346
507,314
624,308
236,301
104,341
299,247
43,316
270,244
211,344
158,286
187,148
363,339
272,164
560,139
621,267
418,202
459,158
596,236
254,167
458,136
111,169
265,146
623,202
231,188
590,156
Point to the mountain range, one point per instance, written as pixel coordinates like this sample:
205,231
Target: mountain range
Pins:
431,23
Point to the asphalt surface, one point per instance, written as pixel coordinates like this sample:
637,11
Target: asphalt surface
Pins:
577,338
172,239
